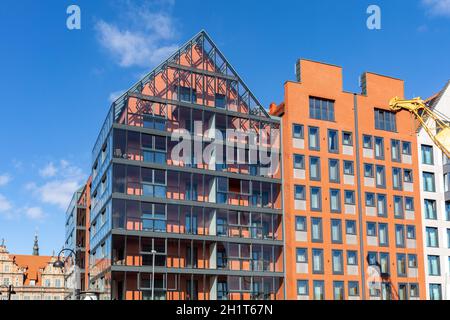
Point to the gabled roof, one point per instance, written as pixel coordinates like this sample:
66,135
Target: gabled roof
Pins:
214,55
33,266
434,99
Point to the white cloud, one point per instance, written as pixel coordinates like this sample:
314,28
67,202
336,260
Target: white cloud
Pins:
113,96
48,171
34,213
4,179
147,38
5,205
438,7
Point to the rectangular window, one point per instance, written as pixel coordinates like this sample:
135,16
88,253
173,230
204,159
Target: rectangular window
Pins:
407,175
435,291
401,265
314,168
372,258
380,176
381,205
400,236
398,207
383,237
353,288
313,138
349,197
385,120
367,142
300,223
316,199
427,154
220,101
300,193
336,231
434,267
333,165
321,109
302,255
316,230
337,259
370,199
352,258
338,290
406,148
397,178
371,229
317,261
348,168
302,287
412,261
432,237
430,209
347,138
395,150
368,170
333,141
379,148
413,290
409,204
350,227
298,131
319,290
448,240
384,263
299,161
335,200
411,232
428,182
446,182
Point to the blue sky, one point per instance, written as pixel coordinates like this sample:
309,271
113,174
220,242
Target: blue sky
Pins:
57,84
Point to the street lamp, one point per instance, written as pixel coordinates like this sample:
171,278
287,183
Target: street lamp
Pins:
60,264
153,274
10,290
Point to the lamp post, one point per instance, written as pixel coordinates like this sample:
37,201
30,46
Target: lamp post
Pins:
10,290
60,264
153,274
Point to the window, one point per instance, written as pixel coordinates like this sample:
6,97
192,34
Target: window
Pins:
434,268
338,290
430,209
316,199
333,141
222,290
412,261
57,283
321,109
395,150
299,192
337,259
220,101
435,291
427,154
367,142
336,231
300,223
380,177
428,182
352,258
381,205
350,227
353,288
448,240
371,229
384,263
348,168
401,265
349,197
317,260
400,236
347,138
319,290
409,204
447,210
397,178
379,148
313,138
370,199
298,131
383,234
335,200
187,94
385,120
368,170
413,290
402,294
314,168
432,237
299,161
398,207
333,165
302,255
302,287
411,232
407,175
446,182
406,148
316,229
372,258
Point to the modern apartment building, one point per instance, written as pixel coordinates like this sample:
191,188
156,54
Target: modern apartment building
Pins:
435,200
205,229
77,240
351,191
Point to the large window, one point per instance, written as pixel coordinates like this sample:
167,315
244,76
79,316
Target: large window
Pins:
432,237
435,291
319,289
321,109
313,138
337,257
383,234
400,236
335,200
316,199
336,231
316,230
333,170
430,209
299,192
338,290
380,176
314,168
427,154
300,223
333,141
297,131
385,120
317,260
428,182
302,287
381,205
397,178
299,161
398,207
395,150
434,268
401,265
379,148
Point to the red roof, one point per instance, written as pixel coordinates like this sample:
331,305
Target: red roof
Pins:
33,266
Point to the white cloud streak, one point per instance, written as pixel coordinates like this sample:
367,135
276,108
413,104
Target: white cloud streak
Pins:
4,179
438,7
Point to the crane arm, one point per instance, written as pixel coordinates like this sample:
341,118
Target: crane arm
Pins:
440,135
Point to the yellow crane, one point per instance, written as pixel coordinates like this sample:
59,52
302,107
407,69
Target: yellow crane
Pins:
440,134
